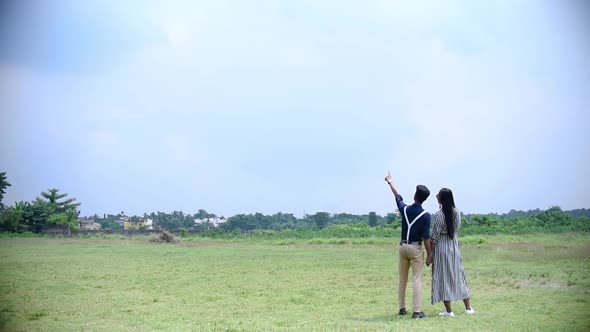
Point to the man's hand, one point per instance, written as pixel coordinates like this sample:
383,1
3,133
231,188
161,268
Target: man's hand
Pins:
429,260
388,180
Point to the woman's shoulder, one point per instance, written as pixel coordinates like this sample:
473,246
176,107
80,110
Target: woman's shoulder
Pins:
439,214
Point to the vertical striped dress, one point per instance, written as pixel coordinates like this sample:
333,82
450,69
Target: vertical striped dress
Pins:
448,274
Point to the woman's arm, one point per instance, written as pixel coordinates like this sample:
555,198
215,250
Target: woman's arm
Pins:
436,228
435,234
429,258
429,245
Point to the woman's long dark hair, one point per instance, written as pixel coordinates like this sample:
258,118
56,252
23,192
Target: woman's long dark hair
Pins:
445,197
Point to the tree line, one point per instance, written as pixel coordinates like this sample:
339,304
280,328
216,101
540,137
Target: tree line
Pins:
553,219
279,221
55,208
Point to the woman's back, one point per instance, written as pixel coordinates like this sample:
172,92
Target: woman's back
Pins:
440,225
448,274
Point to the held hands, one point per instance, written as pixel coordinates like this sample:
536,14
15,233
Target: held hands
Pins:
429,260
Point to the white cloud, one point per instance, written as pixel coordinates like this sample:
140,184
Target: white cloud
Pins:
240,90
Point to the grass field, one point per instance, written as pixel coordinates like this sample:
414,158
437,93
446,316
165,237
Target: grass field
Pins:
539,282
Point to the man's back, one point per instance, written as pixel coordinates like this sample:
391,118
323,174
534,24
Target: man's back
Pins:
421,228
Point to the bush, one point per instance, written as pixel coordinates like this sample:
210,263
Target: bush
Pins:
164,237
471,240
19,235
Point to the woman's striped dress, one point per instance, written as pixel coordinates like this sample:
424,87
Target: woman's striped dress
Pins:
448,274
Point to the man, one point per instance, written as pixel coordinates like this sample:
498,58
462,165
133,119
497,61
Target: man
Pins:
415,231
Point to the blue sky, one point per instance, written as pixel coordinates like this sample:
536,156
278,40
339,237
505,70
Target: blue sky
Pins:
267,106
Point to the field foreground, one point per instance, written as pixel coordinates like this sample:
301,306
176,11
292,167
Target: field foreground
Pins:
539,282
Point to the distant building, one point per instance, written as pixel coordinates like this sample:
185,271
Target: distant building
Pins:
137,223
122,219
149,224
210,221
88,224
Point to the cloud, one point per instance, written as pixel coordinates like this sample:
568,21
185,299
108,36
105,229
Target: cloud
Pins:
322,96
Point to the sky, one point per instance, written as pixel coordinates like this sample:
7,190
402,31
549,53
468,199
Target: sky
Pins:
295,106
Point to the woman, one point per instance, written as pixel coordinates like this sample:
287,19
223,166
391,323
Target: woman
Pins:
448,275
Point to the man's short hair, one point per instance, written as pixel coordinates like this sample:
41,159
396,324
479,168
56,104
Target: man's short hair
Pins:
422,193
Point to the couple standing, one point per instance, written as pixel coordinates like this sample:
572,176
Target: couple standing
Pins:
448,275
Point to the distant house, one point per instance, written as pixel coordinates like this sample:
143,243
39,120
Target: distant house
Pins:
149,224
133,224
122,219
138,223
210,221
88,224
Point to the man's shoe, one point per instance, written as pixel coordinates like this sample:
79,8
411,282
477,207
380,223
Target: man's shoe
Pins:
419,315
470,311
446,314
402,311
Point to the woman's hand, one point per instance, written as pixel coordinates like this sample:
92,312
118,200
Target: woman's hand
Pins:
429,260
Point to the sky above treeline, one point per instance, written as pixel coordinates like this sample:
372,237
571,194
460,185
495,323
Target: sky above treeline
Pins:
295,106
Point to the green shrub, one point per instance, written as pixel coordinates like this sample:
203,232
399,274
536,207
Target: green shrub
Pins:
471,240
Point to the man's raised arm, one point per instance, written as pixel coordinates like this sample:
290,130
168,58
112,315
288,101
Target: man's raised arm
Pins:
391,185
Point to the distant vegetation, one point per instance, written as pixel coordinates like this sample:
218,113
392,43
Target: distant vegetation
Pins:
54,208
518,222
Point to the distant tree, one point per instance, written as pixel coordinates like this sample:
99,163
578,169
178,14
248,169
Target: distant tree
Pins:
583,224
521,214
3,185
553,217
35,215
240,221
52,197
343,218
321,219
68,218
372,219
579,213
390,218
280,221
10,218
202,214
134,219
262,221
109,222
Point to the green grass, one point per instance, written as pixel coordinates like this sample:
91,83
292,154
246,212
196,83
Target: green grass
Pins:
530,283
